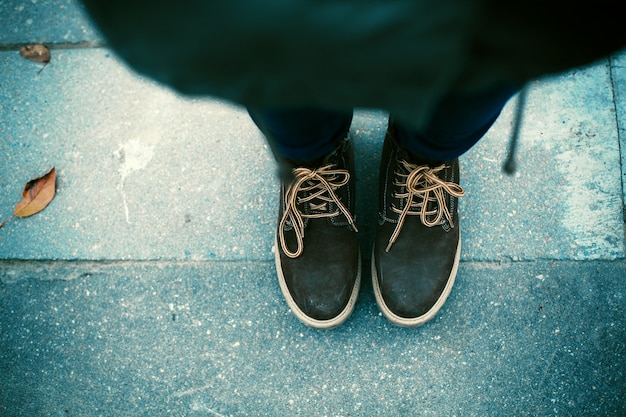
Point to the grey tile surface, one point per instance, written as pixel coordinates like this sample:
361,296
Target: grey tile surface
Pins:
41,21
142,174
565,201
145,174
217,339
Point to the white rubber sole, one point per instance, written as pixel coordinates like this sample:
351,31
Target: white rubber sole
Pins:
430,314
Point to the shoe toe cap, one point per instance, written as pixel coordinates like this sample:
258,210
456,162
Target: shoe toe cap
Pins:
323,307
416,291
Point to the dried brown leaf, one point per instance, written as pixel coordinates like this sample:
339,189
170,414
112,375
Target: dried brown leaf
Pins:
36,53
37,195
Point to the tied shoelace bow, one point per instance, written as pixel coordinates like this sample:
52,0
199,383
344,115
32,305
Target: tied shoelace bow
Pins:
319,184
423,186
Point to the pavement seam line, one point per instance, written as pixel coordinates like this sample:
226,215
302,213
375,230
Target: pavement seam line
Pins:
53,45
619,138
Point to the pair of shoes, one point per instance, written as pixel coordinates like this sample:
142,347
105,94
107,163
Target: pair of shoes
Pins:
416,250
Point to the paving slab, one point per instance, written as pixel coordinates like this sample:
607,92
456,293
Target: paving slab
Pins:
216,338
142,173
565,200
49,22
145,174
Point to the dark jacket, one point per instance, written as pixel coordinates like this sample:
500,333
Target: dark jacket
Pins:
397,55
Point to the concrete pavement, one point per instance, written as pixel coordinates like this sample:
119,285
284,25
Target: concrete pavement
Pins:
147,287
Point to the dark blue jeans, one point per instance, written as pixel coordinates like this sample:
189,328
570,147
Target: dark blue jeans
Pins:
458,122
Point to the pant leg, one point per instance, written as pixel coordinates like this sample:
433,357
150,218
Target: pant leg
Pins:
302,135
458,123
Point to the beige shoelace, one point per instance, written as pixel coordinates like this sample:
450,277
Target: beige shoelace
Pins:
422,187
319,184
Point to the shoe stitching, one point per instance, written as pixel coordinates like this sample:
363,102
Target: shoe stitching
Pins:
422,186
383,215
334,220
317,189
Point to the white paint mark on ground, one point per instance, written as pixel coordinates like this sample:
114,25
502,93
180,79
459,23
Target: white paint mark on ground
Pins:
133,156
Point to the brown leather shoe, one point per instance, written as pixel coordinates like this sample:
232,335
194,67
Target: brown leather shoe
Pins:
317,254
418,240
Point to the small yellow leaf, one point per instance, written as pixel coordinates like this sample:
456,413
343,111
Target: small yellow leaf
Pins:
37,195
36,53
